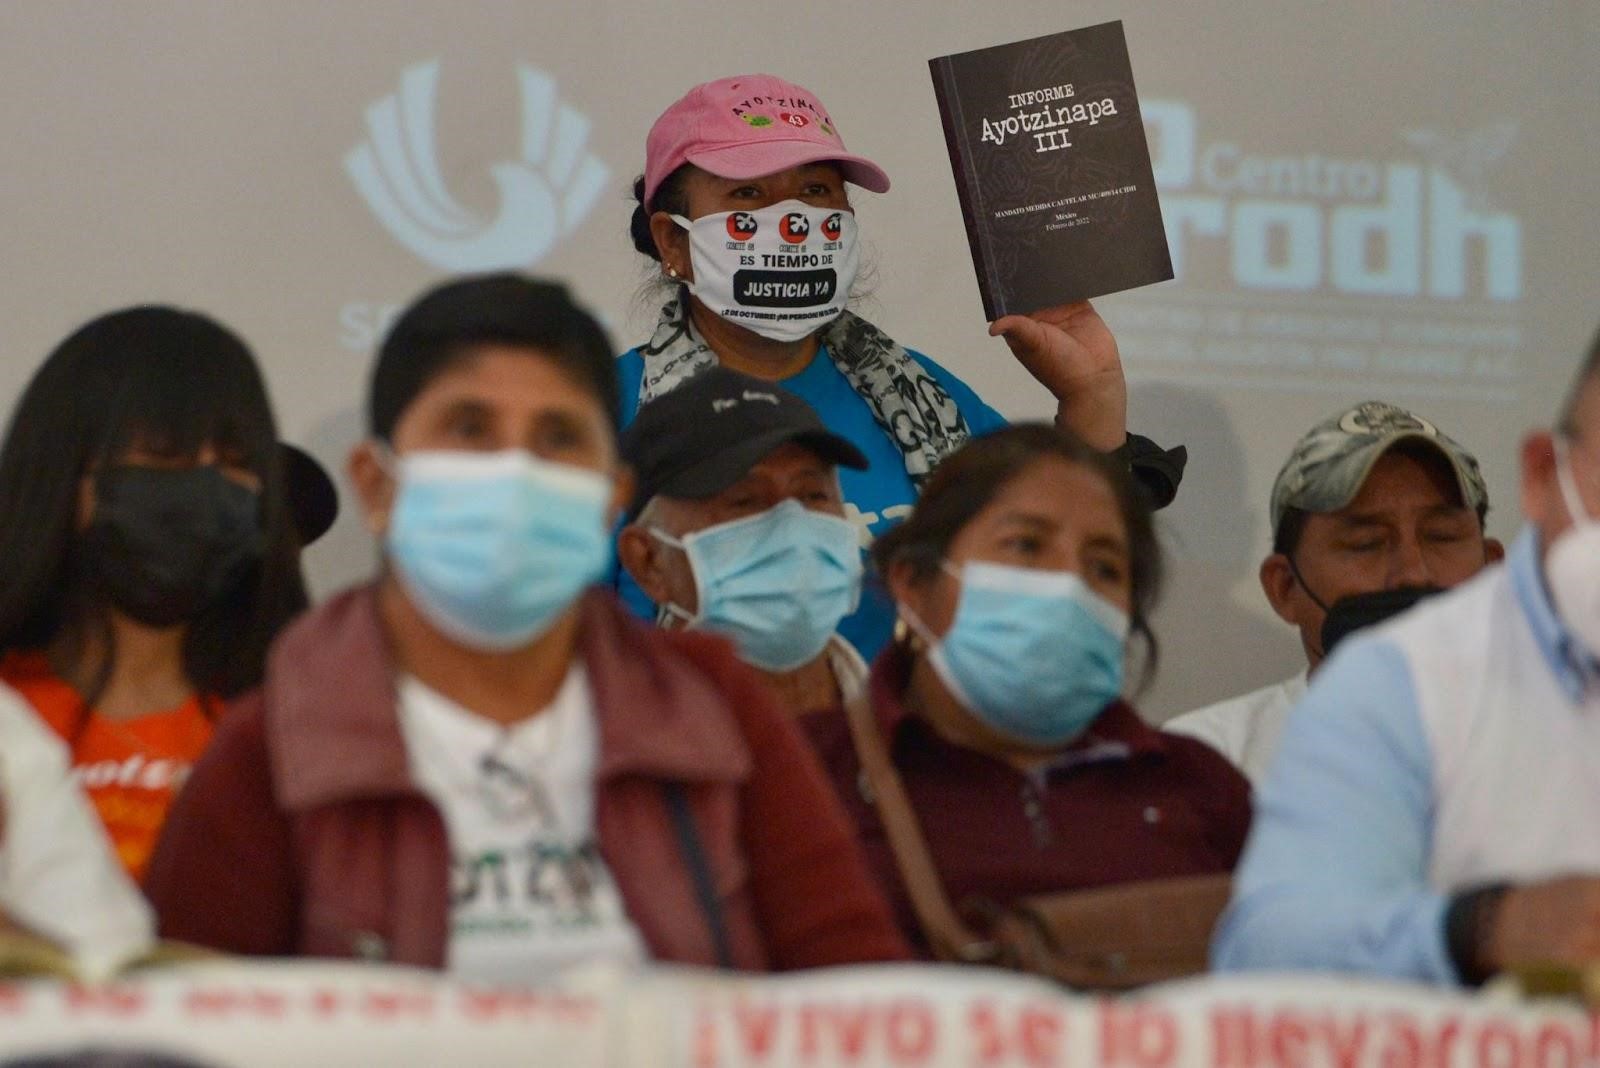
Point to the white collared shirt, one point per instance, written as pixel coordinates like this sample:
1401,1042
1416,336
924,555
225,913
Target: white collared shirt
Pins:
1245,729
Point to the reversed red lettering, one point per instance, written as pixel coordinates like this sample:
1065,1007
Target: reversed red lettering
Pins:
1499,1046
983,1025
1346,1042
1144,1036
705,1037
1555,1046
325,1002
109,1000
758,1028
388,1004
1235,1038
911,1032
1040,1031
1289,1040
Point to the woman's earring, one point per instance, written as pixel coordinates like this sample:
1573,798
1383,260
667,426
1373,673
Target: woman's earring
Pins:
672,272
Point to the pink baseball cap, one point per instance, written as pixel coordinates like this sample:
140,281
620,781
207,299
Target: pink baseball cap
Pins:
747,126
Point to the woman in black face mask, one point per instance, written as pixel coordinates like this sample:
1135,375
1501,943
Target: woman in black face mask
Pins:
149,552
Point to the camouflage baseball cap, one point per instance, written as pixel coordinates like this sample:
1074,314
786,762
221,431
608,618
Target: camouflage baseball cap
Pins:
1329,464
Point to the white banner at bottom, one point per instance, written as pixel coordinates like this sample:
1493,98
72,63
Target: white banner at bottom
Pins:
253,1015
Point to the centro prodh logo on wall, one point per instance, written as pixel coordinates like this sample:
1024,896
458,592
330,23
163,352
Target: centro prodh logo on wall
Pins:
1306,221
545,193
1308,269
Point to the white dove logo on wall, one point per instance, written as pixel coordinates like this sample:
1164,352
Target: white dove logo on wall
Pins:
544,193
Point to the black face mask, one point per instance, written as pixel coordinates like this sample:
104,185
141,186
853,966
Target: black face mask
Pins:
164,544
1350,614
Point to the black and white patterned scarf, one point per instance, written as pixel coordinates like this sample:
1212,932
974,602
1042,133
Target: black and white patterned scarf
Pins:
910,405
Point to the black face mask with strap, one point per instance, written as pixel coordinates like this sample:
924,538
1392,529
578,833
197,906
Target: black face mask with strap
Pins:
1359,610
164,544
1362,610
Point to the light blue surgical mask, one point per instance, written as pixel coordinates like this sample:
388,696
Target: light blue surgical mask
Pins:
1035,655
777,583
492,547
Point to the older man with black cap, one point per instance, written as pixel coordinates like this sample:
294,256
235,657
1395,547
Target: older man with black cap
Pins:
739,528
1374,510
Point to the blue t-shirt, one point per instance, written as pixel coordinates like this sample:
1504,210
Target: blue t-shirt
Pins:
875,499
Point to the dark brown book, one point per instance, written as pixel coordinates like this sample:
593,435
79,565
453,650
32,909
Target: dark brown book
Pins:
1052,168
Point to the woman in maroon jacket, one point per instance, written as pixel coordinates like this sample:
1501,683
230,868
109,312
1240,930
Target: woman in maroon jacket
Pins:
474,763
1019,579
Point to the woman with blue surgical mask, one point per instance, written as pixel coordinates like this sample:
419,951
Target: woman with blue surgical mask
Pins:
479,762
1020,579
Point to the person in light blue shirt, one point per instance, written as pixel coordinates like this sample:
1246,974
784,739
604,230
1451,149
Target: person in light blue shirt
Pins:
1434,809
743,205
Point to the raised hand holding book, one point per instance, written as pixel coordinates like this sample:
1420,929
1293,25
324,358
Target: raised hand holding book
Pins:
1052,169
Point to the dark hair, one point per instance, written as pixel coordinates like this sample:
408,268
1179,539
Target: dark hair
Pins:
171,381
670,197
1589,368
102,1057
1286,539
445,324
966,482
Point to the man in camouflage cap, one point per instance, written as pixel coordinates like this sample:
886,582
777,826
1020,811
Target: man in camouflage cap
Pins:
1374,509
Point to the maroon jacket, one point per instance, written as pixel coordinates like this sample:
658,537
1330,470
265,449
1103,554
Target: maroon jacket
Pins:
1123,803
301,832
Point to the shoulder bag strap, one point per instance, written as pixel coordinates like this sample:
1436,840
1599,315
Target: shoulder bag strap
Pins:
950,938
699,870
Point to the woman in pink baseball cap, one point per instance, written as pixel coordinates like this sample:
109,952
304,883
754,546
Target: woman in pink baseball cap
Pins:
743,203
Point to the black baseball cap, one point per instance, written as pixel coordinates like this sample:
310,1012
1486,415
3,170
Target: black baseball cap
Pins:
706,434
313,502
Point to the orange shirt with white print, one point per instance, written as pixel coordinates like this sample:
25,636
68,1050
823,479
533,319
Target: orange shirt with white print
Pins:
130,769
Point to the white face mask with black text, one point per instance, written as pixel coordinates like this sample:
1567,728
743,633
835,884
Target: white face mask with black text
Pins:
1572,564
783,271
